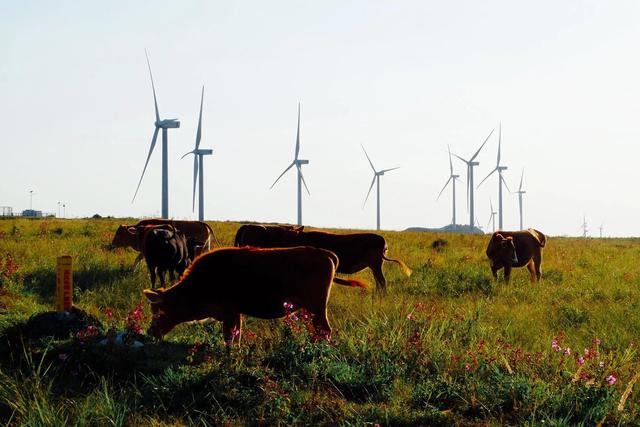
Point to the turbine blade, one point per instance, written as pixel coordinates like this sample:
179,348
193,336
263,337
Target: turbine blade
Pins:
450,162
491,204
153,87
485,141
445,186
521,177
302,177
388,170
195,178
369,192
285,171
199,133
467,162
485,178
190,152
499,143
153,144
505,183
298,135
365,153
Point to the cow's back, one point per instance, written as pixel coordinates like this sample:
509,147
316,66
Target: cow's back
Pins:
257,281
527,244
197,229
355,251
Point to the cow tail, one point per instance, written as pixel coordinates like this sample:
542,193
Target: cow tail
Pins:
355,283
405,269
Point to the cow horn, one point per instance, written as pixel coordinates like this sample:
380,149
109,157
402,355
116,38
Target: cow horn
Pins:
154,297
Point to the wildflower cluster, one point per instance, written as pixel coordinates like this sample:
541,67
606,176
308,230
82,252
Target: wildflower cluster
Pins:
134,320
88,332
299,321
8,267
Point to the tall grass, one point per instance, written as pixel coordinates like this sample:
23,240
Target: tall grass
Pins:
446,346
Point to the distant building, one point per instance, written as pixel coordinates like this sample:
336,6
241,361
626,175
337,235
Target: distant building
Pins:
6,211
30,213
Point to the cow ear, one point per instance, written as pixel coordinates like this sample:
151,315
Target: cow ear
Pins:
132,230
154,297
509,238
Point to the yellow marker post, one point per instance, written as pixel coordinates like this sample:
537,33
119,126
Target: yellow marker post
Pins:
64,284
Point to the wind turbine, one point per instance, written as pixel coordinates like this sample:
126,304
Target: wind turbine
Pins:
520,192
376,180
601,227
164,125
470,164
298,164
492,218
198,166
452,179
584,227
500,180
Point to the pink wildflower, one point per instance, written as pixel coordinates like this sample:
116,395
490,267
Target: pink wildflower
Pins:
567,351
611,379
108,313
410,316
555,345
580,361
287,305
467,367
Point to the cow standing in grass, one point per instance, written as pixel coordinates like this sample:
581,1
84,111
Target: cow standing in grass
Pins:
266,283
509,249
356,251
164,249
126,235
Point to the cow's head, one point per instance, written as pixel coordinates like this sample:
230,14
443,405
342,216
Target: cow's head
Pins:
124,237
162,321
502,250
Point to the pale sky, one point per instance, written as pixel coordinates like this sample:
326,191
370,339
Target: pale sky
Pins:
404,78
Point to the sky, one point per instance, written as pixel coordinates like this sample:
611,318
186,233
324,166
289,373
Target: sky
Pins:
403,78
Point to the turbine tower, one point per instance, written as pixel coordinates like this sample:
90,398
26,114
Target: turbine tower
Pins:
470,164
164,125
376,180
492,218
298,164
452,179
601,227
198,166
520,192
584,227
500,180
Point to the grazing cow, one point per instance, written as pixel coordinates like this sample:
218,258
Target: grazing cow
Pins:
266,283
356,251
126,236
164,249
516,249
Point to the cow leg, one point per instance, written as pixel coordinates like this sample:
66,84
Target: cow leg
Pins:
537,262
152,273
321,324
507,273
137,260
532,270
232,328
494,271
161,275
381,282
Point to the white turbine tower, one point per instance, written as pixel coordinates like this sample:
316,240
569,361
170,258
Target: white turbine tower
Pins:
376,180
520,192
585,230
198,166
452,179
298,164
492,218
164,125
501,180
470,164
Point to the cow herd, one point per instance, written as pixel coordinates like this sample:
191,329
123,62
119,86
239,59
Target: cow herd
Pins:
273,270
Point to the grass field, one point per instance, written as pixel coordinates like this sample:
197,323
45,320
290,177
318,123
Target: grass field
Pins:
447,346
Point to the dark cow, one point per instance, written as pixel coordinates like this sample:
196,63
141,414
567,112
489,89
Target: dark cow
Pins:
356,251
126,236
509,249
164,249
266,283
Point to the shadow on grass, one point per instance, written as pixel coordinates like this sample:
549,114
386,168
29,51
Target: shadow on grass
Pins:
42,281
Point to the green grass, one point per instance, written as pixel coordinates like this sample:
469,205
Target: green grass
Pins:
445,346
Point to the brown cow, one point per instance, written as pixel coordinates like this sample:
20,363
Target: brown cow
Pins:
266,283
356,251
126,236
516,249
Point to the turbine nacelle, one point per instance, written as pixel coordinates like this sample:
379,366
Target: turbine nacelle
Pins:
168,124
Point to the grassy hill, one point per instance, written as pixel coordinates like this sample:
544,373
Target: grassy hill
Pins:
447,346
